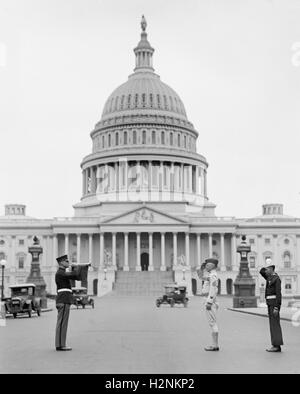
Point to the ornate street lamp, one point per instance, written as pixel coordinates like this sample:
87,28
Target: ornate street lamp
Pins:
183,273
244,285
3,264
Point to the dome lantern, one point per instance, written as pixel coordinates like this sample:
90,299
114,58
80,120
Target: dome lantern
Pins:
144,51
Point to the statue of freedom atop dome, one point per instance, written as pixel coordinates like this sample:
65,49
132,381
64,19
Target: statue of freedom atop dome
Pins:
143,23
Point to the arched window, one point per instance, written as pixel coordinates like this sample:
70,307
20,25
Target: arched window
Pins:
103,142
171,138
153,137
252,262
163,137
144,137
178,139
125,137
129,101
158,100
171,102
2,256
287,259
165,102
117,139
21,261
109,140
136,100
134,137
2,242
144,100
151,100
185,141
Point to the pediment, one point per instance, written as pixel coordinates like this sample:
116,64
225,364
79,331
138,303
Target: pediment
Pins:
145,215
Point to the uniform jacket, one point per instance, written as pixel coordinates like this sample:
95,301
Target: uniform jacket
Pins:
273,288
210,287
63,281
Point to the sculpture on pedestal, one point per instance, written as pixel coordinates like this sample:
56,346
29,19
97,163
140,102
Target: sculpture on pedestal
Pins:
35,275
244,285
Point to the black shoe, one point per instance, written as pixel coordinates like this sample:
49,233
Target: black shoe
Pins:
274,349
212,349
64,348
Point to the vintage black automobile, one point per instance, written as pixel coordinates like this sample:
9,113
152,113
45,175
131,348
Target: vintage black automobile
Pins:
174,294
81,297
23,300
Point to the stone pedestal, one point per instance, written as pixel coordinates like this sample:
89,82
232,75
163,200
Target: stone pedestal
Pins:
183,277
106,280
35,276
244,285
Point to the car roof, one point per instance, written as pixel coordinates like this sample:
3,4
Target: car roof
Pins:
18,285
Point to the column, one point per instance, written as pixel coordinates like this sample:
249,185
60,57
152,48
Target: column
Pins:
116,169
161,176
260,261
275,250
126,266
83,182
90,248
106,177
93,180
78,248
202,181
190,178
174,249
139,176
222,262
114,250
205,184
210,251
199,250
151,268
298,255
172,178
101,250
182,177
55,246
138,252
187,248
150,175
197,179
163,252
67,244
233,252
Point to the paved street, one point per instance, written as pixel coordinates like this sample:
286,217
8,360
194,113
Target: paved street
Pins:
131,335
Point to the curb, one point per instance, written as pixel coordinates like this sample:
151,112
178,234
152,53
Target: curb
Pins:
257,314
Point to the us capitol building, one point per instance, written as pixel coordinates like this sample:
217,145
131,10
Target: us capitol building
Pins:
144,218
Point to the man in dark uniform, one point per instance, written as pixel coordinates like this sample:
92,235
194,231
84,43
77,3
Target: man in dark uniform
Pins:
273,300
64,299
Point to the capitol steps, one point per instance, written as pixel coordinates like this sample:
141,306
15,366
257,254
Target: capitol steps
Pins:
135,283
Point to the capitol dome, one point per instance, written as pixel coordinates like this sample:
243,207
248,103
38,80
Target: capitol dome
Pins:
144,96
144,143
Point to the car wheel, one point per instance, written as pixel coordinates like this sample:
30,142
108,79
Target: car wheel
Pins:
38,311
185,303
93,305
29,313
83,306
172,303
14,315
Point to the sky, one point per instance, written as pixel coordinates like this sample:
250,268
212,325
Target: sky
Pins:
235,64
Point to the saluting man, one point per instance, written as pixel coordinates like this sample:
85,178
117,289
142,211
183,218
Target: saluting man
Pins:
210,290
64,299
273,300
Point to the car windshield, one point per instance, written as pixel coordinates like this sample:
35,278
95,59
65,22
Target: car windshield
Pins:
22,291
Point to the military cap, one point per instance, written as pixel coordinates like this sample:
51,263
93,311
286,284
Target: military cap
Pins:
62,258
211,260
269,263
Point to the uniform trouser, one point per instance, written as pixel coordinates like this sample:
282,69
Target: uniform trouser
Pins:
63,312
275,328
212,317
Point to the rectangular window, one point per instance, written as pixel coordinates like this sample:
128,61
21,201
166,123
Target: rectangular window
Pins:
21,242
267,241
288,286
252,262
251,241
